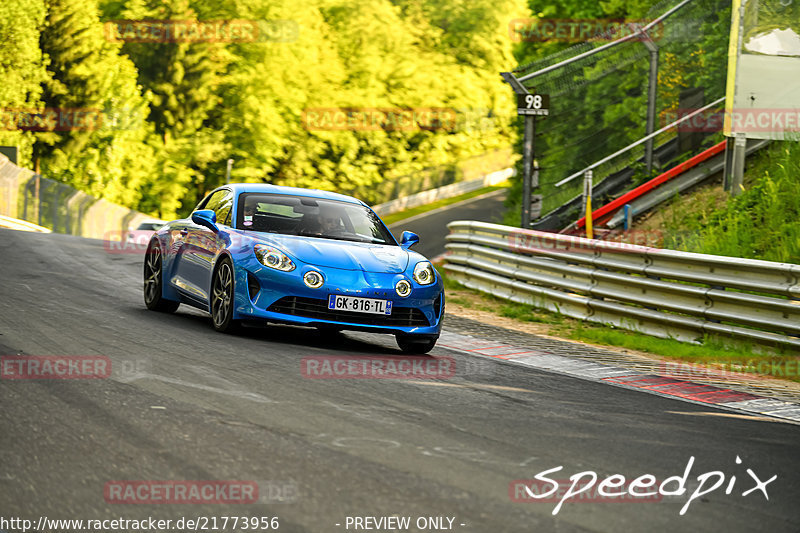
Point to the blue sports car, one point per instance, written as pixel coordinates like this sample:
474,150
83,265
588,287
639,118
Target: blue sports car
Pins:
266,253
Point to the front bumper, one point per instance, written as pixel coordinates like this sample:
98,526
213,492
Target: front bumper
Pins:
274,296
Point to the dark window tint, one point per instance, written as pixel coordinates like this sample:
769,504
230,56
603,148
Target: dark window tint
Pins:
311,217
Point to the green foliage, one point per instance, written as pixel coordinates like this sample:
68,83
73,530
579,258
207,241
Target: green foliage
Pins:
22,68
189,106
760,223
108,157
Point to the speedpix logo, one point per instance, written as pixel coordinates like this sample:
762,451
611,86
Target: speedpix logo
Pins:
646,487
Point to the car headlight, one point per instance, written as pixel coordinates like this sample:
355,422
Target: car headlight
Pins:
423,273
273,258
402,288
313,279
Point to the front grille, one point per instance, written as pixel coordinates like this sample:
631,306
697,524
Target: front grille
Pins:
314,308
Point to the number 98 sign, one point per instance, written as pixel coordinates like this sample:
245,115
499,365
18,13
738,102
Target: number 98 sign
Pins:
533,104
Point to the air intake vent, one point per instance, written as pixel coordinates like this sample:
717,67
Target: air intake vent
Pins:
315,308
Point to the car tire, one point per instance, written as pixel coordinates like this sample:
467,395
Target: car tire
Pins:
153,280
222,298
416,344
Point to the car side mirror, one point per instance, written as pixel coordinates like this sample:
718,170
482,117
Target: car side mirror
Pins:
409,239
207,218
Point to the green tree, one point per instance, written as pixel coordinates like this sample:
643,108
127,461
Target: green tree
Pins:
21,69
109,156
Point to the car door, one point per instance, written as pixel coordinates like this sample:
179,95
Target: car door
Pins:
207,243
192,242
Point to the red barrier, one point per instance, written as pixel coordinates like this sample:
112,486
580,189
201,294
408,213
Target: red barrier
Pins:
653,183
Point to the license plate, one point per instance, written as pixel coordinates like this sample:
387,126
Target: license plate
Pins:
360,305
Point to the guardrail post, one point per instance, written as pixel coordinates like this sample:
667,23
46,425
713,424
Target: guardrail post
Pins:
627,216
587,200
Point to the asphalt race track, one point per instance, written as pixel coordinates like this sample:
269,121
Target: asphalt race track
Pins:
186,403
432,226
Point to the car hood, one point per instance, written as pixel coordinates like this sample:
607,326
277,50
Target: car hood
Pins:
346,255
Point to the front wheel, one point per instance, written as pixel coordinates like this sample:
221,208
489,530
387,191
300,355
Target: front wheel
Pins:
416,344
222,298
153,298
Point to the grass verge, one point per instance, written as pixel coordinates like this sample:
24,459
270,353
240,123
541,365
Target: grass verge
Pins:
760,223
408,213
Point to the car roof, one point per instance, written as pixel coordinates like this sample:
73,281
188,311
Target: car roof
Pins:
239,188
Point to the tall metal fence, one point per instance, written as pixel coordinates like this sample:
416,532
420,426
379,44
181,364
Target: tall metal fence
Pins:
28,196
661,292
599,103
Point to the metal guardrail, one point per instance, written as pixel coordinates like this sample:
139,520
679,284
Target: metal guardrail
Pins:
666,293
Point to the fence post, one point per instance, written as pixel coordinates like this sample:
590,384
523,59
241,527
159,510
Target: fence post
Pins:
37,199
527,170
652,93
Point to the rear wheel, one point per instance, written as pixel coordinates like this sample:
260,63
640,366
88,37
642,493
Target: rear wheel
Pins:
222,298
153,298
416,344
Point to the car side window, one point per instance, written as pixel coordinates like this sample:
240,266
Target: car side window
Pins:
202,203
221,202
214,201
224,209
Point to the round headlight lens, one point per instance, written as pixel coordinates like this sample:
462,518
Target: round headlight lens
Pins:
273,258
423,273
403,288
313,279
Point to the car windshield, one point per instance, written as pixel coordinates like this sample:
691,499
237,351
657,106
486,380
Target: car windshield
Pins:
310,217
